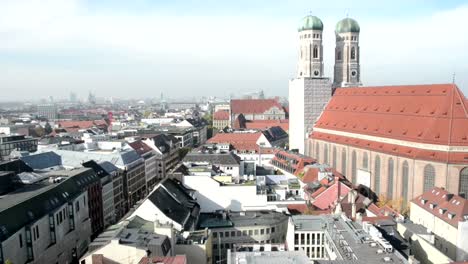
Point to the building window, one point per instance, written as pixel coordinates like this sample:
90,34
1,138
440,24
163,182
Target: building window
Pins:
262,231
233,233
315,52
215,234
353,167
405,182
353,53
429,177
338,55
325,154
334,157
77,205
343,162
464,182
365,160
256,232
317,150
21,240
390,179
377,175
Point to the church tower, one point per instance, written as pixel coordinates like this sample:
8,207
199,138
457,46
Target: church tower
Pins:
310,62
309,91
347,54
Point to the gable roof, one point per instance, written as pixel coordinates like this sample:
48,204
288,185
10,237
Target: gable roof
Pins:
175,202
444,205
239,141
253,106
430,115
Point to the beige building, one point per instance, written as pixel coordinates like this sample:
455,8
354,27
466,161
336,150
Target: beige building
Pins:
445,216
399,141
221,120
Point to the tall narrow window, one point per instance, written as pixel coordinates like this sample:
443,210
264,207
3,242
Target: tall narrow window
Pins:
315,52
429,177
405,182
325,154
464,182
317,151
343,162
377,175
365,160
353,53
334,157
353,167
390,179
338,55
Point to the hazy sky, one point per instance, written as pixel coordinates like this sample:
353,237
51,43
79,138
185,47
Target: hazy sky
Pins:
140,48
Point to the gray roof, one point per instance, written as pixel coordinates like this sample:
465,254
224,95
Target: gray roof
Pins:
42,160
122,159
212,158
308,222
247,218
33,201
272,257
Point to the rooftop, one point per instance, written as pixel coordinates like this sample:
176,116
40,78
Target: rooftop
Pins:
247,218
253,106
272,257
421,121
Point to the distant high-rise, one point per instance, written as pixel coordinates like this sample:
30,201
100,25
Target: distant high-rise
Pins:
48,111
309,92
73,98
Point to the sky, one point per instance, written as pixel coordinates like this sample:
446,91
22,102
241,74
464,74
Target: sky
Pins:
186,49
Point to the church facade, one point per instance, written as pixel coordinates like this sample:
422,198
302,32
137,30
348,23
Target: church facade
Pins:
310,90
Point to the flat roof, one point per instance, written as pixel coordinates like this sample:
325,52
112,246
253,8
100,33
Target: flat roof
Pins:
270,257
240,219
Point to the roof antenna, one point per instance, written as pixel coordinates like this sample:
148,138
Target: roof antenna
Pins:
347,12
453,78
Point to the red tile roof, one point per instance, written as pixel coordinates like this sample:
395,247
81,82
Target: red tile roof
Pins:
431,114
240,141
292,160
297,208
326,197
81,124
438,199
179,259
140,147
253,106
221,115
265,124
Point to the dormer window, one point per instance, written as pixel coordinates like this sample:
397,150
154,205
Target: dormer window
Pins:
423,201
442,211
432,206
451,215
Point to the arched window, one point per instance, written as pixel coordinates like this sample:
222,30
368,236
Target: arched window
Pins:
317,150
353,167
325,154
377,175
365,161
315,52
343,162
429,177
464,181
334,157
353,53
390,179
405,182
338,55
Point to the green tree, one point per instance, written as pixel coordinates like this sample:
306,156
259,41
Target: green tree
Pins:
48,128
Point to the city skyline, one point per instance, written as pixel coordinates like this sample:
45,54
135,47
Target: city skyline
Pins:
116,49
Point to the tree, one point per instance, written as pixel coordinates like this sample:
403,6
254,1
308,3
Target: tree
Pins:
48,128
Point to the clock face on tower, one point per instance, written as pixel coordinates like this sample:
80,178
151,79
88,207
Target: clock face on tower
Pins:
353,73
316,73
